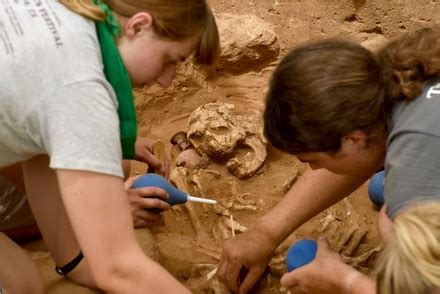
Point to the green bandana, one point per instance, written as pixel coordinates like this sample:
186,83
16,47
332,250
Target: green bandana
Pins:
117,76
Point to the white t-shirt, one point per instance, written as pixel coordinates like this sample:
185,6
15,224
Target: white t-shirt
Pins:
54,98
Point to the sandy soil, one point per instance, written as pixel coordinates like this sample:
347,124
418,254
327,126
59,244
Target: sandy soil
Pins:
190,251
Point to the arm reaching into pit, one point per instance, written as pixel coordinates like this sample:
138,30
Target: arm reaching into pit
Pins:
314,191
99,214
89,212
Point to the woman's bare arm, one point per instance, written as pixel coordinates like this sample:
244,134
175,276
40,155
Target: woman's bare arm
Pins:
96,219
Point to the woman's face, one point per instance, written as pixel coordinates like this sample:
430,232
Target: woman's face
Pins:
356,157
148,59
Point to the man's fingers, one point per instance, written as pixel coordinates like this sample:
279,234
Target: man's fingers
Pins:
289,280
251,278
228,270
129,182
149,203
323,247
149,197
153,161
222,267
156,192
232,275
139,223
146,216
165,170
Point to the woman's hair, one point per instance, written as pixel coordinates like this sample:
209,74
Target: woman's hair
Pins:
410,263
322,91
172,19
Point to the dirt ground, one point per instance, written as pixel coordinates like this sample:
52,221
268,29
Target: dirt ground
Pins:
191,236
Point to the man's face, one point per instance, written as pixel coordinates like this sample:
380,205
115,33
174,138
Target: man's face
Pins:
355,157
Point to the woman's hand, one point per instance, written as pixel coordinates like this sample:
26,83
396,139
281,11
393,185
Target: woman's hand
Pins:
144,153
146,203
327,273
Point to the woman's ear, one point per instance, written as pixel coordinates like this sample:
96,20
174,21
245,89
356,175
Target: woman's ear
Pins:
137,23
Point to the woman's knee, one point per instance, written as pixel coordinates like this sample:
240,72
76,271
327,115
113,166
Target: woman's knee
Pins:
18,272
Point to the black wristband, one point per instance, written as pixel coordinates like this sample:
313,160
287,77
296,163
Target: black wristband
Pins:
70,266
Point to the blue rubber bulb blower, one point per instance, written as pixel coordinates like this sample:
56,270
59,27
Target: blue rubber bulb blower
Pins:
176,196
376,188
300,254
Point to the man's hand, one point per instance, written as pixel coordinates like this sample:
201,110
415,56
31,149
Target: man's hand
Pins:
144,153
327,273
146,203
249,252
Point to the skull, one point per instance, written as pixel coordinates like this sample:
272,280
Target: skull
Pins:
212,129
216,131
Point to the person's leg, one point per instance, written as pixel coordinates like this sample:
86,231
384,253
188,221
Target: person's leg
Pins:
18,272
23,233
14,174
48,209
16,219
21,224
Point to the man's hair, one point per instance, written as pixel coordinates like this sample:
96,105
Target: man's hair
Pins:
324,90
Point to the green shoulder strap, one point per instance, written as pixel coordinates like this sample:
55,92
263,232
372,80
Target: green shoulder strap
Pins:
117,76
